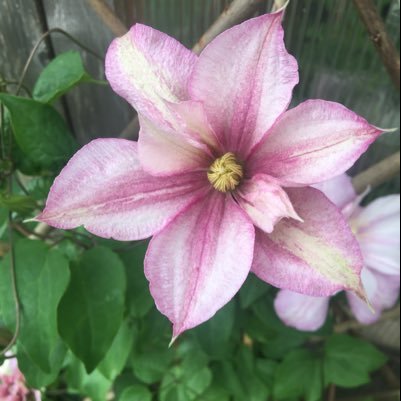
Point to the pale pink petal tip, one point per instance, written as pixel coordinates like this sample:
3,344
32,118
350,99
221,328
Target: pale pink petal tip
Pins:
302,312
173,340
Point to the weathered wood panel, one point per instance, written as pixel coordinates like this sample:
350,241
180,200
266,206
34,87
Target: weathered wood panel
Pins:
96,110
20,29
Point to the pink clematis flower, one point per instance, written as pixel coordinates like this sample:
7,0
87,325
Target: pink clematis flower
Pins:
377,228
13,386
221,174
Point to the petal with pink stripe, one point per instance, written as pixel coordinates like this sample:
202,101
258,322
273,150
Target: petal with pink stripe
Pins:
245,79
105,189
312,143
199,262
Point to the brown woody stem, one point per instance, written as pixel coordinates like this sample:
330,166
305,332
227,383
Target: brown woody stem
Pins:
382,40
378,174
108,17
237,12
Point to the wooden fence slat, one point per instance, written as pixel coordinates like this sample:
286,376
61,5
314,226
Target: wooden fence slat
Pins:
20,29
96,110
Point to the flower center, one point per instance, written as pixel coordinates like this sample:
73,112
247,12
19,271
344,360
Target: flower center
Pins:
226,173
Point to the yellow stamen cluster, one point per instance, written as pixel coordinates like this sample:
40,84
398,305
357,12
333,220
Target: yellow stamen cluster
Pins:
226,173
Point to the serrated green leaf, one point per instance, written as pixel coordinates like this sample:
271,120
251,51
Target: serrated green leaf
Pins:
136,393
42,278
40,132
299,375
91,311
119,352
349,361
61,75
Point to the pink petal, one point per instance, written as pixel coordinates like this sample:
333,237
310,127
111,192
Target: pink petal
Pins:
104,189
339,190
383,293
302,312
378,230
312,143
318,257
164,152
265,202
147,68
199,262
245,79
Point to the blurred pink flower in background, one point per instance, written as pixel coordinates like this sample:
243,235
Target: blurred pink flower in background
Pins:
12,384
377,228
221,176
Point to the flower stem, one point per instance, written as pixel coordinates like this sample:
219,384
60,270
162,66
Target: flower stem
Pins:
378,174
381,39
39,42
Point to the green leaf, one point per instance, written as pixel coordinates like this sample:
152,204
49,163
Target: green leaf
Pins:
119,352
227,377
18,203
264,326
299,375
42,278
215,393
35,376
149,367
252,291
136,393
349,361
256,388
187,384
93,385
91,311
40,132
214,335
139,300
61,75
